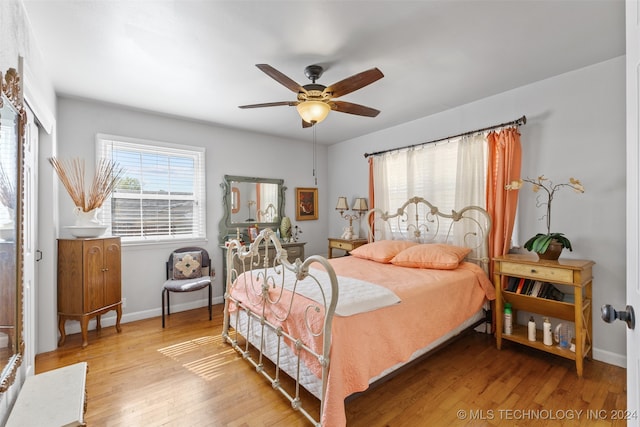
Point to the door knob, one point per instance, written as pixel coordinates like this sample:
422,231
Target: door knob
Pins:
609,314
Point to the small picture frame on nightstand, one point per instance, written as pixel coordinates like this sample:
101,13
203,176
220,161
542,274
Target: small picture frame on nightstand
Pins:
252,231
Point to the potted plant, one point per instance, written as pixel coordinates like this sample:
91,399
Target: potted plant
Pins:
547,245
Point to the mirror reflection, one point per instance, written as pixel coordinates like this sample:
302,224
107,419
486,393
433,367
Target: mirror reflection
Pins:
8,180
253,202
11,134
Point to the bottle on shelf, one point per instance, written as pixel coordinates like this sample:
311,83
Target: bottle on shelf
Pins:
508,321
531,329
547,338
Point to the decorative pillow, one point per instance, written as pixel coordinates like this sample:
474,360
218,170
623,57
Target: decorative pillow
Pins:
431,255
382,250
187,265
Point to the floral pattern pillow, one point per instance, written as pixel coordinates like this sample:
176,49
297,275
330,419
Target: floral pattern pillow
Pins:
187,265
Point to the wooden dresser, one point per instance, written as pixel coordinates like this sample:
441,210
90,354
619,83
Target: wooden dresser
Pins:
89,282
294,250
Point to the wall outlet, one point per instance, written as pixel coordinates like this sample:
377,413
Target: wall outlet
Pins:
124,302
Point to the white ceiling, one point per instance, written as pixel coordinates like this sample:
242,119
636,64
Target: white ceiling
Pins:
196,59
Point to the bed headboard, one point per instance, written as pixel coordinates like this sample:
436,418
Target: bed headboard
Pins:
418,220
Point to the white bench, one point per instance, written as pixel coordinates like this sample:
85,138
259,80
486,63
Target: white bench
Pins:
55,398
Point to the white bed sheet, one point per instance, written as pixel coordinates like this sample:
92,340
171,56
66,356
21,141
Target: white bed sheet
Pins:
288,361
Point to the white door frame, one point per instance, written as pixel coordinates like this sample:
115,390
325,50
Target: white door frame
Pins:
633,209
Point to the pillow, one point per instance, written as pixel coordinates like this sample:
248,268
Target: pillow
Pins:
382,250
187,265
431,255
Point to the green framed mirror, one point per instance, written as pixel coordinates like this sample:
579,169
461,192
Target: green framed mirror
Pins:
250,201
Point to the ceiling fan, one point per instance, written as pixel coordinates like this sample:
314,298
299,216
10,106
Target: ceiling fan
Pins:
316,100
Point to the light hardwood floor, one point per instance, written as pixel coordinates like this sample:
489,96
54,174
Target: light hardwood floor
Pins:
185,376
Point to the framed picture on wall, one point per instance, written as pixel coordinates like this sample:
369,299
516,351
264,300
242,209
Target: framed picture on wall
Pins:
252,231
306,204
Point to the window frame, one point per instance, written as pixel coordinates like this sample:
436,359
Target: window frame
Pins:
104,147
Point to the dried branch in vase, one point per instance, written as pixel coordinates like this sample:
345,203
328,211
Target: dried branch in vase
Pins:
72,173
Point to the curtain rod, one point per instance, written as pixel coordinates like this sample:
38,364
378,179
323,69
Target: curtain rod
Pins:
518,122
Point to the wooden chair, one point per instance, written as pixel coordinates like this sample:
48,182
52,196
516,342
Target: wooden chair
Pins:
188,269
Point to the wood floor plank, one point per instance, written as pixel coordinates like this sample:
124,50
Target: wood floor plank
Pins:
185,375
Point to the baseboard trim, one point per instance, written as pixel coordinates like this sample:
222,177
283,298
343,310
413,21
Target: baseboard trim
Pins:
73,327
610,358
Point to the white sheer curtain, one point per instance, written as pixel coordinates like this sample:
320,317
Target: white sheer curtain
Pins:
471,180
268,202
450,175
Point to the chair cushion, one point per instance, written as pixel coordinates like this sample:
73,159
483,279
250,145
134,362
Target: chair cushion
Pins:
187,285
187,265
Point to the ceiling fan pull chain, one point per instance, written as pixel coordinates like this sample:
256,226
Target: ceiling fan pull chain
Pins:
314,155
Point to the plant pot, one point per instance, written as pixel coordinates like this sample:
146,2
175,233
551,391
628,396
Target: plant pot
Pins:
553,251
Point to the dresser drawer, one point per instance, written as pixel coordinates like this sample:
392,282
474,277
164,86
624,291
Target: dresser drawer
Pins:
550,274
294,252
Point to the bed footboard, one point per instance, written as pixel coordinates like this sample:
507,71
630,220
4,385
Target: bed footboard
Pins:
266,316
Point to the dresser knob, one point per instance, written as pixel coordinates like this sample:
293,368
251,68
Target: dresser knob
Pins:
533,271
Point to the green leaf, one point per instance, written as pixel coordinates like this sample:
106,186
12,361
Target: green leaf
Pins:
540,242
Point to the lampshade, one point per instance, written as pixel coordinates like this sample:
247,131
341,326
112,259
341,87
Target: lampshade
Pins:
313,111
360,205
342,204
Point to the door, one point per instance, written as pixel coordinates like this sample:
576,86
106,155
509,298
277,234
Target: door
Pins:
94,277
30,158
633,199
112,261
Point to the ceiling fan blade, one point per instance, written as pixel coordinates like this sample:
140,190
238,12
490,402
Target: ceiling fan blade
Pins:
350,108
281,78
354,82
270,104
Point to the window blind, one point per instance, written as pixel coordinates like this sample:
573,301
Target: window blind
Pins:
161,195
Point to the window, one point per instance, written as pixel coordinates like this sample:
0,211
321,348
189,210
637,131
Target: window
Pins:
450,175
161,195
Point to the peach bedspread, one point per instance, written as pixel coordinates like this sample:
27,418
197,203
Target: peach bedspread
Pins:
433,303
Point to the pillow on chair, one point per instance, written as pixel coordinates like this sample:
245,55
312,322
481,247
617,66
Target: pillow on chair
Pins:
187,265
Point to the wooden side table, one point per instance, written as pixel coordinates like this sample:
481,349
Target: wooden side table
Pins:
574,274
344,244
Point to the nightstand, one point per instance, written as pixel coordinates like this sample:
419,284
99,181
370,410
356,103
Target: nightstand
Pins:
574,275
345,245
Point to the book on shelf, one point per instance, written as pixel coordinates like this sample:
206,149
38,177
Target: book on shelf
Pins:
555,294
535,288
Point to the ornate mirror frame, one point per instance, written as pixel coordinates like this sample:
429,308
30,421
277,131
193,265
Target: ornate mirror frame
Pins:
11,259
227,226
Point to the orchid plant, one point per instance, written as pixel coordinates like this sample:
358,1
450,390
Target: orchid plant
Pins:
540,242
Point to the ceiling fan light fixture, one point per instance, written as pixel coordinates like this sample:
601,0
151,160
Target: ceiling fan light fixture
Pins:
313,111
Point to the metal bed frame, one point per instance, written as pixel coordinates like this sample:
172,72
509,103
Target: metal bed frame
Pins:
416,219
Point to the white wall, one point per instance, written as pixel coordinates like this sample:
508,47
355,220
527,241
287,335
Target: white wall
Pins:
575,128
227,152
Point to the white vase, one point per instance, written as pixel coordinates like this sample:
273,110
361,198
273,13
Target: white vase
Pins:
86,219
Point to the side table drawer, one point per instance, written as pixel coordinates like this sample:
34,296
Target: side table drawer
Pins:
342,245
550,274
